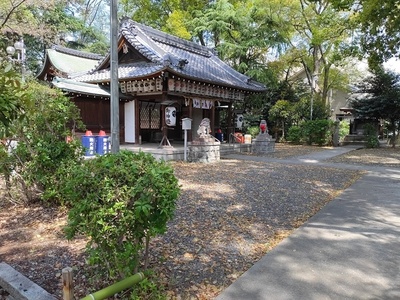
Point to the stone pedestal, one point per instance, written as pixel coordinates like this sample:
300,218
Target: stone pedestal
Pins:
263,143
204,150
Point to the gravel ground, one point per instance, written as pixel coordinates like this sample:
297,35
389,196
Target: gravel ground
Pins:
380,157
229,214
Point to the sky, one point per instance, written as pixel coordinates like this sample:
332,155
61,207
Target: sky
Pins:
393,64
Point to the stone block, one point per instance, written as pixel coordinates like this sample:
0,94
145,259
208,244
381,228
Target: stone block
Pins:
19,286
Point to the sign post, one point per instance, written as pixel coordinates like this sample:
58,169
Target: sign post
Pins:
186,125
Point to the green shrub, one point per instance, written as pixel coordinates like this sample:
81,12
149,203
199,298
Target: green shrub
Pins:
13,98
318,132
119,201
295,135
254,131
371,136
344,129
41,135
150,288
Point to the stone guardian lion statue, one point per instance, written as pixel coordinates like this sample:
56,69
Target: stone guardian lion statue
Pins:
204,128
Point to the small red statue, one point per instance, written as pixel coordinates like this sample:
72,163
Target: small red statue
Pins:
263,126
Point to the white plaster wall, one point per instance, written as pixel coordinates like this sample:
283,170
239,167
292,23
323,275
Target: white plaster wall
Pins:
130,122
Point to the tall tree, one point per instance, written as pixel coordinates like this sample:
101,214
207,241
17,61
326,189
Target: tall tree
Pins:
171,16
380,26
16,17
321,34
243,32
89,25
42,24
378,96
281,113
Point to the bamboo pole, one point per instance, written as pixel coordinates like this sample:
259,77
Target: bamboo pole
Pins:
115,288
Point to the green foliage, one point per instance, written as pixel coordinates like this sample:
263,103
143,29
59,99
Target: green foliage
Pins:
281,113
242,32
176,24
15,16
13,98
302,110
41,137
295,135
149,288
378,97
318,132
379,25
344,129
319,35
119,201
254,131
371,135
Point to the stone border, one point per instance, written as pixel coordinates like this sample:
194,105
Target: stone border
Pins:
19,286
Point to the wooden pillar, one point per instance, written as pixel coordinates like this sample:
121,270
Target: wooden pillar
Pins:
164,140
230,128
212,118
190,134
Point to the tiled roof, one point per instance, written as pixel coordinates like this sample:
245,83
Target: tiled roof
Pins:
128,71
169,53
72,86
191,60
78,53
69,61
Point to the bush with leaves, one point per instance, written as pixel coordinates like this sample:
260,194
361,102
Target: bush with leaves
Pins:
253,131
119,201
301,110
318,132
41,136
13,99
344,129
371,136
295,135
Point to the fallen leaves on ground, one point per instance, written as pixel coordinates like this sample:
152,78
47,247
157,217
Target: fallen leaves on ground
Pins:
381,157
229,214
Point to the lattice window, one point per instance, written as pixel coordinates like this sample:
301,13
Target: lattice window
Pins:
150,115
155,118
144,117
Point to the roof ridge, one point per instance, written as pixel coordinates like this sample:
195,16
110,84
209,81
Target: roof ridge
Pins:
83,54
146,45
166,38
141,42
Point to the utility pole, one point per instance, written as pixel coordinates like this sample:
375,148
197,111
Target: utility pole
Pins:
114,91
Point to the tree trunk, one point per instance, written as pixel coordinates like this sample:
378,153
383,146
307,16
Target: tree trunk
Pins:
393,133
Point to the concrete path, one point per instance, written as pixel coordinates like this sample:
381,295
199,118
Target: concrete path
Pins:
348,250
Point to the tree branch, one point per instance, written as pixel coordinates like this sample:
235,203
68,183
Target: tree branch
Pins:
13,8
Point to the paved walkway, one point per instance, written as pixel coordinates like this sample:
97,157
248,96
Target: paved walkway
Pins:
348,250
